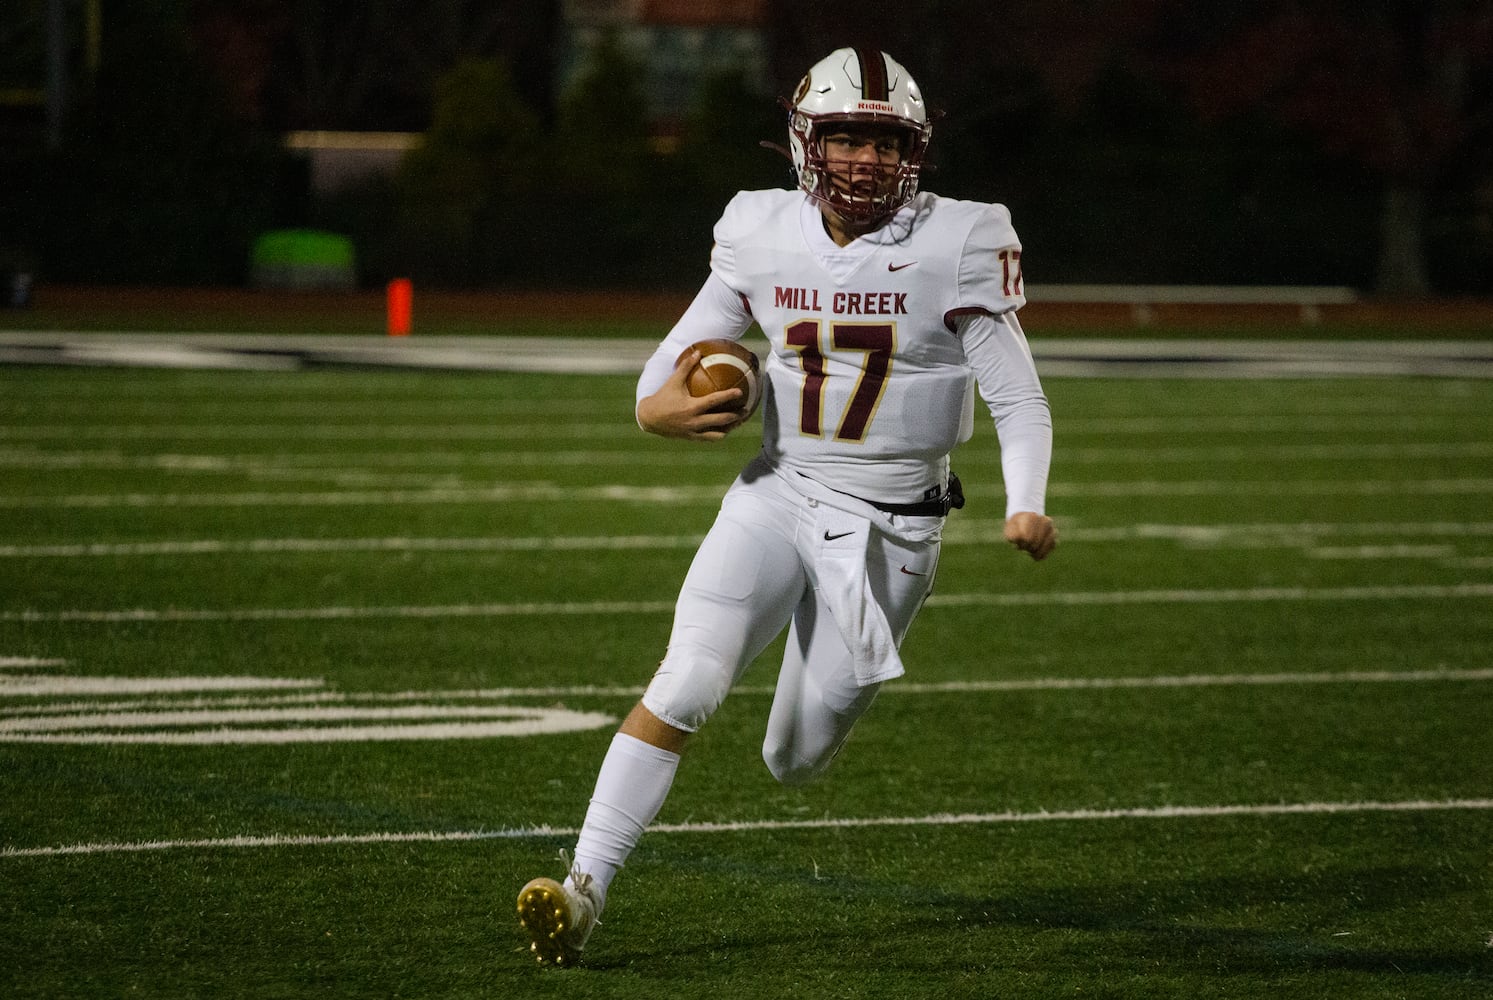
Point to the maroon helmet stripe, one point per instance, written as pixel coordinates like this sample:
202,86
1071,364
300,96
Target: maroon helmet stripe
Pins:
873,75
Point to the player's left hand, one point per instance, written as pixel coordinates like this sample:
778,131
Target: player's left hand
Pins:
1034,534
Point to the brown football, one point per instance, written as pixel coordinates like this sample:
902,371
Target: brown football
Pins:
725,364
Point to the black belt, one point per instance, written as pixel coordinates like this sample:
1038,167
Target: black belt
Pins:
951,499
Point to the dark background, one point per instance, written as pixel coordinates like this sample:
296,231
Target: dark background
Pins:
1145,141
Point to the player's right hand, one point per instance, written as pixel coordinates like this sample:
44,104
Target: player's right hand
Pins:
673,413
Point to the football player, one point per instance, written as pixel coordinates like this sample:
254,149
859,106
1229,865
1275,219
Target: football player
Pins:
887,311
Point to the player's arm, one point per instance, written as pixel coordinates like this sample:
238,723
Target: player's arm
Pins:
664,404
997,350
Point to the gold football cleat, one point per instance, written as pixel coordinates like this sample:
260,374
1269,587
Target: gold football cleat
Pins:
558,919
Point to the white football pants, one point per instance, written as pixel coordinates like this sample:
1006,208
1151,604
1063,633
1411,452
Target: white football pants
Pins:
755,573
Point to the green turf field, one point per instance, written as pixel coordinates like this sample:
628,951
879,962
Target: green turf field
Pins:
302,675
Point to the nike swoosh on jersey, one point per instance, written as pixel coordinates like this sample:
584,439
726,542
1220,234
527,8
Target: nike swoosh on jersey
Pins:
829,538
898,267
911,573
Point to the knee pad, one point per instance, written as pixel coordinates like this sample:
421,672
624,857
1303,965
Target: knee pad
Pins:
688,687
792,770
788,769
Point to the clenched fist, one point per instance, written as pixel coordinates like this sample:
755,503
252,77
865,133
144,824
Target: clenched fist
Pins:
1034,534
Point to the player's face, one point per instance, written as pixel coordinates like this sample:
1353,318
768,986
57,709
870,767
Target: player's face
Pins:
862,159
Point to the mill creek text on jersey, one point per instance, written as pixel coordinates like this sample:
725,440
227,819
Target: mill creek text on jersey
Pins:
842,303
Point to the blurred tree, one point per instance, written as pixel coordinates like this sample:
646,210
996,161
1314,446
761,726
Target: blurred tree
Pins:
481,157
1404,88
23,49
1399,89
157,179
720,146
613,209
603,124
370,64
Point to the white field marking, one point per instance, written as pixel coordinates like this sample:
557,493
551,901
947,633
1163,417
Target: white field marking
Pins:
357,463
1246,536
1193,680
230,726
39,686
309,397
314,545
1410,592
520,609
1299,487
62,407
757,826
679,495
1223,596
1261,423
1278,453
899,687
959,531
57,722
373,429
1381,552
1222,533
29,662
500,493
307,463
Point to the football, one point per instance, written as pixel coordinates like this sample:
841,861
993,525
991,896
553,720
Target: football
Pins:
725,364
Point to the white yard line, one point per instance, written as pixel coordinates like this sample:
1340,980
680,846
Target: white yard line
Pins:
374,428
32,685
51,687
497,493
1389,552
1171,812
369,463
533,492
311,545
363,463
1245,595
959,531
378,429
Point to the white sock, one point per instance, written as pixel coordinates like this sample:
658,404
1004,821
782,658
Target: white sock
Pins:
634,780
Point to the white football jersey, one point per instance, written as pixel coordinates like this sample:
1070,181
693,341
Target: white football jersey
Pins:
869,388
869,384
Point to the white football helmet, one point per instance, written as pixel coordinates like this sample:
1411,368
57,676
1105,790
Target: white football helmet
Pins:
865,87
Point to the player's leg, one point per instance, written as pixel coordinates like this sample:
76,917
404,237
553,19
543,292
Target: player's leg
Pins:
737,597
818,698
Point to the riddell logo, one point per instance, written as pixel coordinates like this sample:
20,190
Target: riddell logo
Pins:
874,106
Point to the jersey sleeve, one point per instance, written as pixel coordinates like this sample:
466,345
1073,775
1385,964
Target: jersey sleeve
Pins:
1006,376
723,253
990,266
